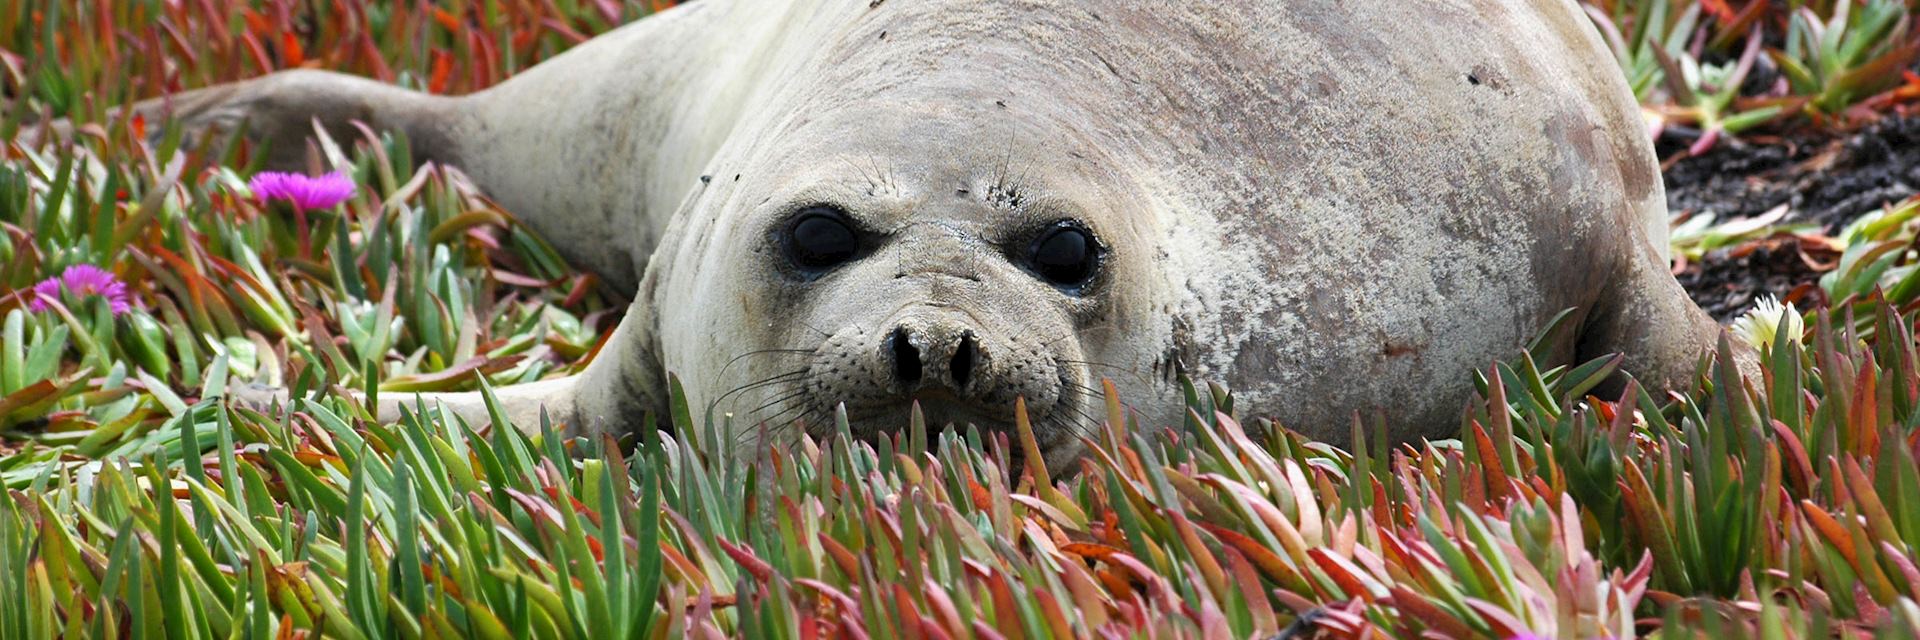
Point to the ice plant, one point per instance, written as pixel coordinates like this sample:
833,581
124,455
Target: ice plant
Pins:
304,192
81,281
1562,512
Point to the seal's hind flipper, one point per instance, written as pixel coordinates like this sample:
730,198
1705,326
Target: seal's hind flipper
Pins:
280,110
1646,316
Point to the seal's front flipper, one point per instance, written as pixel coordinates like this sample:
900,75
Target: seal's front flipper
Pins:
622,384
521,404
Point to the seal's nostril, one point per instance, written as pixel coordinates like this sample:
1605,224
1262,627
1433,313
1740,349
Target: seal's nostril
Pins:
906,358
962,364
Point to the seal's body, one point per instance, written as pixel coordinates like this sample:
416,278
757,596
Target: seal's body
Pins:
1331,207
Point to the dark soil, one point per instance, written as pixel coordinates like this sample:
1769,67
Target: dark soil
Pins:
1728,282
1824,178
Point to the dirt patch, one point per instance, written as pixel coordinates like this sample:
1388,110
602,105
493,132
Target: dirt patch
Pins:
1824,178
1728,282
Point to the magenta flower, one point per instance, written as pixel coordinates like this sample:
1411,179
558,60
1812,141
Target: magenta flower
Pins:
81,281
305,192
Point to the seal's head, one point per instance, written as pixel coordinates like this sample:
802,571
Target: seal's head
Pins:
875,256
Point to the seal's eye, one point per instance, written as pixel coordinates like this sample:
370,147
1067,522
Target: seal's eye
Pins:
819,238
1065,255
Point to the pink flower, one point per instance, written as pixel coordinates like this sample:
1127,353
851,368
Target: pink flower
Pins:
44,290
305,192
81,281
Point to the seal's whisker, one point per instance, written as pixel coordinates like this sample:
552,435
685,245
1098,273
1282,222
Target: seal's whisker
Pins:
1089,429
1141,377
771,380
759,352
779,403
1074,399
789,396
777,409
823,332
766,436
754,431
1066,423
1087,389
765,425
778,377
805,420
870,180
1077,409
807,410
1057,339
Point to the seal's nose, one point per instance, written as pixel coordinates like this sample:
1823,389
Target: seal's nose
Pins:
960,366
906,358
948,353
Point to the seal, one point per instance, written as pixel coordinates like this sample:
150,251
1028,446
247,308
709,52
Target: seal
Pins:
1330,207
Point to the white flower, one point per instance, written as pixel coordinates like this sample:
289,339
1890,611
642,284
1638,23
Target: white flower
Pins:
1758,324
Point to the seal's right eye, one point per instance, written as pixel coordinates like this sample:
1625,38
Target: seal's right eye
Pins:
1066,255
820,238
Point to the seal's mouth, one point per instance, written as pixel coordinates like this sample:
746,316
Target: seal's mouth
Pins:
939,407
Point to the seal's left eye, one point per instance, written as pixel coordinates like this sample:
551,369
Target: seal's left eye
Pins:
1065,255
820,238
